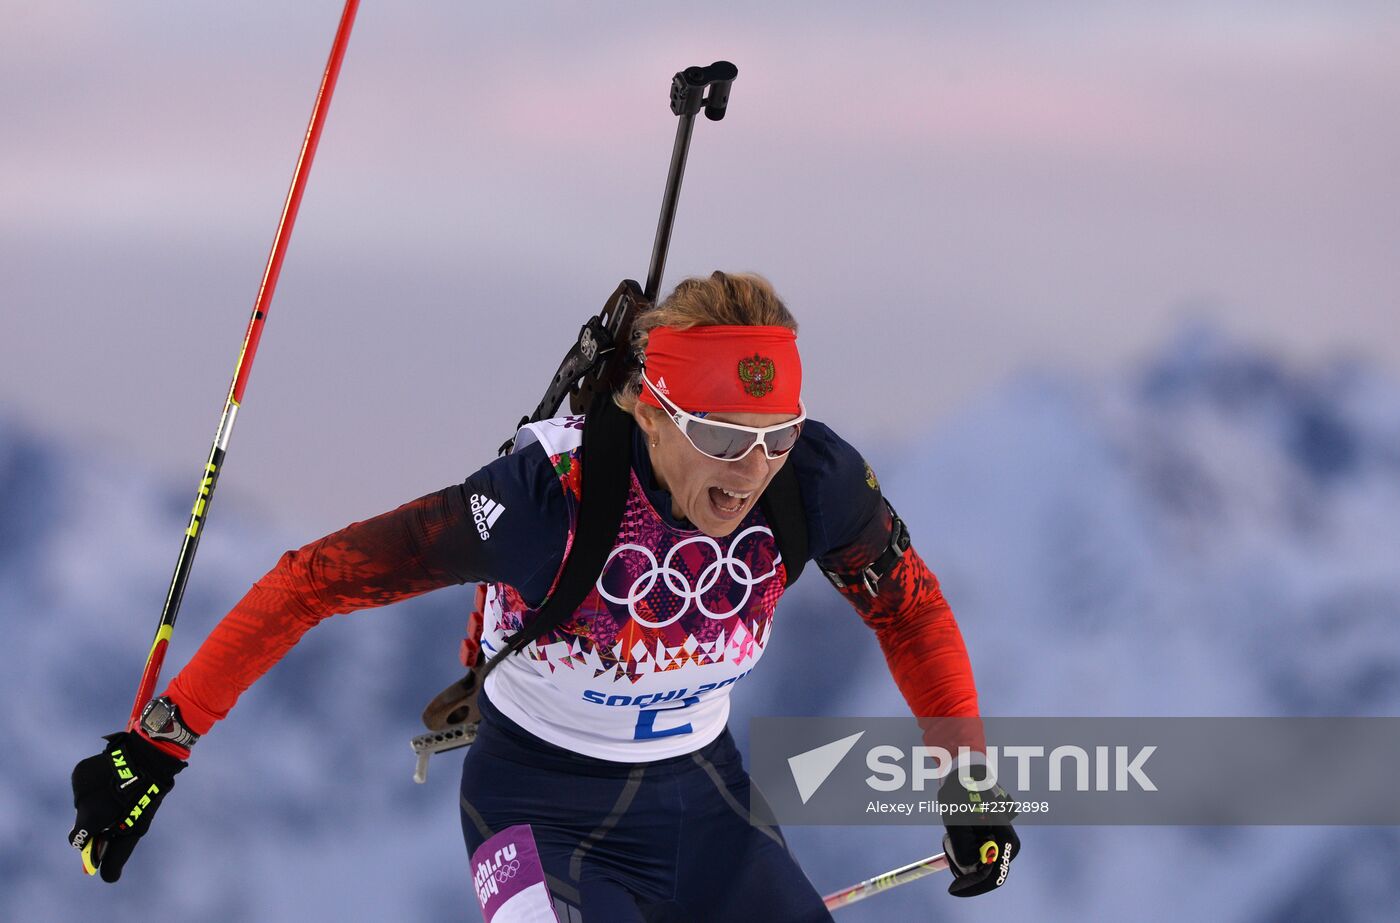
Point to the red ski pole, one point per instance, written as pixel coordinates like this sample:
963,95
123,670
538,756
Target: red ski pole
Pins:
210,475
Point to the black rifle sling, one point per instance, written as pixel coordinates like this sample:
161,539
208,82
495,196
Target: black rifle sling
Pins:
607,476
782,504
607,438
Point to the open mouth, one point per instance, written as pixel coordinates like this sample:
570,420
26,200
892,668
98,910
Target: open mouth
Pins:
728,503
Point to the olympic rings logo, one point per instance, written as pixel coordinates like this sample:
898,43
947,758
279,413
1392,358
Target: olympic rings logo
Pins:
507,871
677,582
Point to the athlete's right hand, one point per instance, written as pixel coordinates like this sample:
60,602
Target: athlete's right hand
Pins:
116,794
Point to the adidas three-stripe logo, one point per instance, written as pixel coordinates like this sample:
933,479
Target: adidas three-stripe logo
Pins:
485,512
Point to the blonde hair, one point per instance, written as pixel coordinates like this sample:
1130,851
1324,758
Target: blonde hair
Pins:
741,299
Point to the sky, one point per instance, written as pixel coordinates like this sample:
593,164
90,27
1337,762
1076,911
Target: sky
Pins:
945,194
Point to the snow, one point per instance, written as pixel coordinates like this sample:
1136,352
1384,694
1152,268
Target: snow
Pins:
1212,532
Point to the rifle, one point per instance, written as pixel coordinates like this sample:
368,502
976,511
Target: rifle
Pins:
594,366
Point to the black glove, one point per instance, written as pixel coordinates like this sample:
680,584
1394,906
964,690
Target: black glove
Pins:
980,842
116,794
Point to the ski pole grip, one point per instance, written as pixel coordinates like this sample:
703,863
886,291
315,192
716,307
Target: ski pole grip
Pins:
688,90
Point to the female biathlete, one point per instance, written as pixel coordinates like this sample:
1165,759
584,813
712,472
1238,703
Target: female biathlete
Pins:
604,785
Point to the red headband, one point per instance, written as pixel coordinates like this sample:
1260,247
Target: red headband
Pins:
731,369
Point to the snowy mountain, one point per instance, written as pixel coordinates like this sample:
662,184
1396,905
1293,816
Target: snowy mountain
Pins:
300,806
1211,533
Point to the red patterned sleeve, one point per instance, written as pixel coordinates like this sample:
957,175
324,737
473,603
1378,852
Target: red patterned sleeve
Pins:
924,648
391,557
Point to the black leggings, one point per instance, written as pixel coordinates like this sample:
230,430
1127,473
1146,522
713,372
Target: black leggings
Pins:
628,842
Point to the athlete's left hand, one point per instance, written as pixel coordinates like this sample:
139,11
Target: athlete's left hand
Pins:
980,842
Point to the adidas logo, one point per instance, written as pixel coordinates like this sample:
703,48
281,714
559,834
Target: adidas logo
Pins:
485,512
661,384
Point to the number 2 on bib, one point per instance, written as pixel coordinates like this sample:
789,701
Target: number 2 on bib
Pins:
646,721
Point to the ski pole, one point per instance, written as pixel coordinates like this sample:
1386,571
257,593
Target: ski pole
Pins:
210,475
892,879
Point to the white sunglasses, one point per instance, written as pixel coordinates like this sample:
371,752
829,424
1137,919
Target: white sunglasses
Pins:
731,441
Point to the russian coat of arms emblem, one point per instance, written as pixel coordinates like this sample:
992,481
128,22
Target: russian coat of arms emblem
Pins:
757,374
